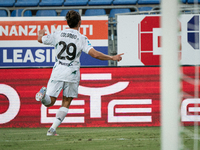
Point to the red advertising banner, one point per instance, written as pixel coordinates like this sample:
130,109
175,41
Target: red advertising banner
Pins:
108,97
28,29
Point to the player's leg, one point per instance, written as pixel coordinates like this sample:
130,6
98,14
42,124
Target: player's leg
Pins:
49,95
45,99
60,115
41,96
70,90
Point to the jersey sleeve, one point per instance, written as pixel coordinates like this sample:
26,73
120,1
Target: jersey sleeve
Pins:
49,39
86,45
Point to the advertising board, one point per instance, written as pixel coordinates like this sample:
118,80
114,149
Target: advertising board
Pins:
19,46
107,97
139,38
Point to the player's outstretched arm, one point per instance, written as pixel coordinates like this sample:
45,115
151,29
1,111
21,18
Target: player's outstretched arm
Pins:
41,33
98,55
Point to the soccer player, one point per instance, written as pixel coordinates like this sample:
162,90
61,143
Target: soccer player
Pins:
69,44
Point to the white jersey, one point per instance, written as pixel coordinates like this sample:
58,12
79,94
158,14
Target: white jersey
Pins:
69,44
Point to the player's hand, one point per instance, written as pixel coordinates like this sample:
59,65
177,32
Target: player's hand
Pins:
118,57
41,32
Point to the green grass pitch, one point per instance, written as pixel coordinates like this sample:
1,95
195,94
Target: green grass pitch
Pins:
109,138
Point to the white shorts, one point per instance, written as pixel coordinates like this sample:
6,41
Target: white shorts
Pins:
54,88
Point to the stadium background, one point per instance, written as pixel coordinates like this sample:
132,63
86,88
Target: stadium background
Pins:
134,90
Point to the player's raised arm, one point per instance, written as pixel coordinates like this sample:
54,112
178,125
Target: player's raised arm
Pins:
98,55
41,33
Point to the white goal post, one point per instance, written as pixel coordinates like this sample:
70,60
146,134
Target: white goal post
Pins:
170,80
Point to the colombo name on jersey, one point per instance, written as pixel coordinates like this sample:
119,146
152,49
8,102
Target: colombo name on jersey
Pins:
69,44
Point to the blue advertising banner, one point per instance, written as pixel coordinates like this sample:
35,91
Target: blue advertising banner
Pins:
41,57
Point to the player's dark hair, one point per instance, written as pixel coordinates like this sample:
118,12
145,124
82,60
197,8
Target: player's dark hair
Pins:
73,18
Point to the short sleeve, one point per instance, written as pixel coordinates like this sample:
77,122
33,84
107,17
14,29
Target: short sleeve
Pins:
86,45
49,39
